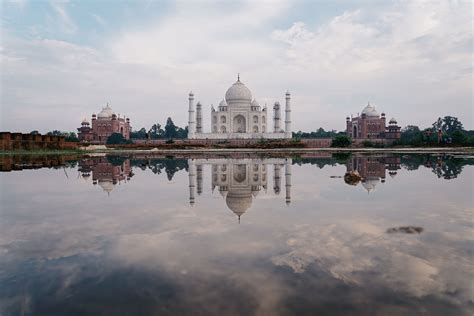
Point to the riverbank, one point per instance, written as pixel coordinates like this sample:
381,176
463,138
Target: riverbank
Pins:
224,151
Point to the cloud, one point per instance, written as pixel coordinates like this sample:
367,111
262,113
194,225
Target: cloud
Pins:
65,22
406,56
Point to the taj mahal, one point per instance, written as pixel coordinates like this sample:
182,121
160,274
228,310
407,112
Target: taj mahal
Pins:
239,116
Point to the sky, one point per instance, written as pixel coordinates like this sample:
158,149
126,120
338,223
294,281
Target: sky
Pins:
61,61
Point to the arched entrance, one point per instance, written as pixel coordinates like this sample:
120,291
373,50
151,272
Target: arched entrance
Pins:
240,173
239,124
354,131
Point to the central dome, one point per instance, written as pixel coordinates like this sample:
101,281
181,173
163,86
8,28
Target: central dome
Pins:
239,201
238,93
370,111
106,112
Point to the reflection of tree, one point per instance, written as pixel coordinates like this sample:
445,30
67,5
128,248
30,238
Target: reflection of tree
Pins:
446,167
170,165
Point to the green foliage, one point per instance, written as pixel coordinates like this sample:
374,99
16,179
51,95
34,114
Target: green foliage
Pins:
448,125
341,141
68,136
140,134
35,132
117,138
71,137
367,143
319,133
170,141
458,137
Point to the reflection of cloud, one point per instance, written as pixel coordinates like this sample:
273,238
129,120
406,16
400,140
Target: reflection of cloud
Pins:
360,253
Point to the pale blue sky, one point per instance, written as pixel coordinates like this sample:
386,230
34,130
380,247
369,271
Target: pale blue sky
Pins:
63,60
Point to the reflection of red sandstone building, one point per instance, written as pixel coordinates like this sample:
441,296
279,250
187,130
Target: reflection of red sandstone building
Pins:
372,169
103,125
371,125
104,173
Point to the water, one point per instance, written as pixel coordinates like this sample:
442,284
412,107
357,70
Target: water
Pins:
237,236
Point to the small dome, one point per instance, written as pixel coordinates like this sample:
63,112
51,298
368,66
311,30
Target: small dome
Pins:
223,103
369,184
255,103
106,112
85,121
106,185
393,121
370,111
238,93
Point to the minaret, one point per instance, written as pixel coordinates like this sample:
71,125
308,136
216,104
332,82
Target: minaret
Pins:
276,117
191,122
192,180
287,116
277,179
199,178
288,180
198,118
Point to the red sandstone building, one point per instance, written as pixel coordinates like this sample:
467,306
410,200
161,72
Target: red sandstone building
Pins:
372,125
104,124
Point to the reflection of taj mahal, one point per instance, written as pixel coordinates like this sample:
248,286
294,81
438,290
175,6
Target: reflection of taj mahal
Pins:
239,180
239,117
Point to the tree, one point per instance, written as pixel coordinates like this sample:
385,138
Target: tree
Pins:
170,128
448,124
71,137
341,141
156,131
116,138
140,134
411,135
458,137
35,132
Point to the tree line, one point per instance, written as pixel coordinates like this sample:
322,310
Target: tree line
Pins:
446,130
170,131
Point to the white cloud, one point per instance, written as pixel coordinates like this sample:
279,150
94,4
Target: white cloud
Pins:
412,55
65,22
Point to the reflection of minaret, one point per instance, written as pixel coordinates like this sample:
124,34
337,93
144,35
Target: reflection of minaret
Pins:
288,180
277,179
199,178
192,180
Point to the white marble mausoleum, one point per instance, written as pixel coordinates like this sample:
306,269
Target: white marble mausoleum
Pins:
238,116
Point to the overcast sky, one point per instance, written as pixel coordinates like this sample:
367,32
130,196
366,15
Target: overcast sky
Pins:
63,61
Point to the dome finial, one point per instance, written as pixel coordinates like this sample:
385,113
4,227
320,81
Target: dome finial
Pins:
238,76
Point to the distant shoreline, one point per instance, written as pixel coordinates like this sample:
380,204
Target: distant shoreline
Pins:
413,150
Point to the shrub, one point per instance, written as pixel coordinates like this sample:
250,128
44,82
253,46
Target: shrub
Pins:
367,143
117,138
341,141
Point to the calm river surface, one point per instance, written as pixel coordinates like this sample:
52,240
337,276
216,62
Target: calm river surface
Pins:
137,235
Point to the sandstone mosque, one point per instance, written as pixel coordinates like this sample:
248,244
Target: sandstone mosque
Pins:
104,124
371,125
239,116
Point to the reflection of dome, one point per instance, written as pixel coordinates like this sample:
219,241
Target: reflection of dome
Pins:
370,111
238,93
369,184
106,185
239,201
106,112
392,174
